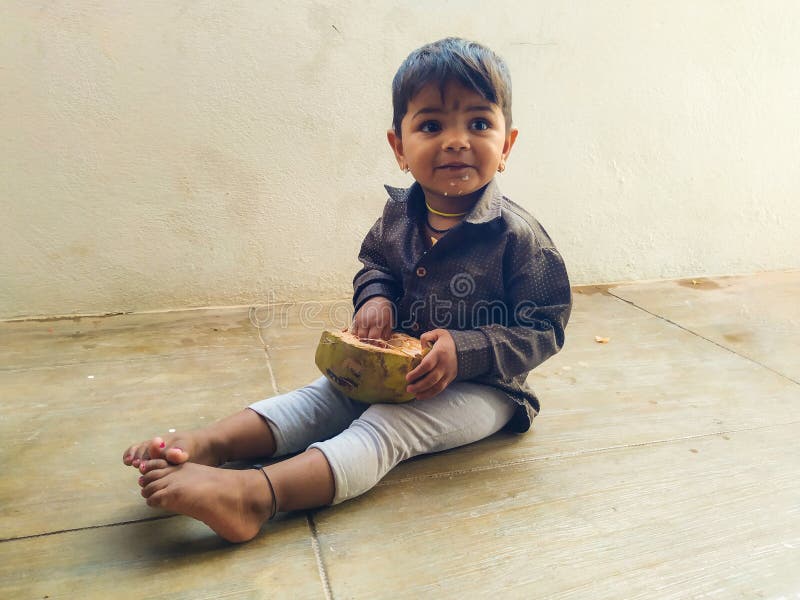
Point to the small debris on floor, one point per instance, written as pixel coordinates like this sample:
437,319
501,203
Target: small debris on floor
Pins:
601,340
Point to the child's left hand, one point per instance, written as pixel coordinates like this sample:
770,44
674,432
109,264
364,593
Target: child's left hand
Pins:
439,367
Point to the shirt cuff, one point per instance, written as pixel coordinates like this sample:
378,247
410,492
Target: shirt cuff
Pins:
474,353
373,289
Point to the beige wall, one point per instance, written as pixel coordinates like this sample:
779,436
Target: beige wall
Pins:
175,154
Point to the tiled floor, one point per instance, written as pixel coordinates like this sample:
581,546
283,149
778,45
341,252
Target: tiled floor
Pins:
665,464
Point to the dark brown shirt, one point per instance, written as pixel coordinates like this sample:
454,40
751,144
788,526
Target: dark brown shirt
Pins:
495,281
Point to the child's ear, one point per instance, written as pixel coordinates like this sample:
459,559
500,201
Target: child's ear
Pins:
511,137
397,147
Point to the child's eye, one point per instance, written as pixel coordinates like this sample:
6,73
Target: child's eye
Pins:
430,127
481,125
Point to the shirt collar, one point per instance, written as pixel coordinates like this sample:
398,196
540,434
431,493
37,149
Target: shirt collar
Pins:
486,209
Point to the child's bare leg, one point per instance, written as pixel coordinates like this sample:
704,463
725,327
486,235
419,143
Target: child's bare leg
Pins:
240,436
235,504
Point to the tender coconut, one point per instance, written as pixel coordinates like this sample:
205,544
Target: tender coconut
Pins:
369,370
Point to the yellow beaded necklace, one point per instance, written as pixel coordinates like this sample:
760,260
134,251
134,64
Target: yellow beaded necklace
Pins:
444,214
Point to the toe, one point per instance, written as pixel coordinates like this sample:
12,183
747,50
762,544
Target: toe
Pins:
128,455
155,448
154,480
139,454
155,498
148,489
176,455
154,463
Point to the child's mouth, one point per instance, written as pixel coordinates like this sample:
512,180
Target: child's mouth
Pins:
455,167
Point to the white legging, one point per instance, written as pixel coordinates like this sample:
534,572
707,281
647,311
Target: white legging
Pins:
362,442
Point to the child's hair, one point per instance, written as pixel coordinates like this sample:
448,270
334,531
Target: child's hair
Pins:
452,59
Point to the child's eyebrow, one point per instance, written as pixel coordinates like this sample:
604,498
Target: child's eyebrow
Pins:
435,110
426,111
479,108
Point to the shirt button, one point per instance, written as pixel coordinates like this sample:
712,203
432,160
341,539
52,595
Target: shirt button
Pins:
421,272
415,327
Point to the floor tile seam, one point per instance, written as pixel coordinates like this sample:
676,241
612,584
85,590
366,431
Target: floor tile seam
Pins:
699,335
55,318
86,528
575,454
163,311
115,361
321,570
309,347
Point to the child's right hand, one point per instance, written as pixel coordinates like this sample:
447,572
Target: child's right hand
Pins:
374,319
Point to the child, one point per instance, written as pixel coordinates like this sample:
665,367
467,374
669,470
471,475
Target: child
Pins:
451,259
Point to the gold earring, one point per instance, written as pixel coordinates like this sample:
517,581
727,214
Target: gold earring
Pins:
501,167
405,169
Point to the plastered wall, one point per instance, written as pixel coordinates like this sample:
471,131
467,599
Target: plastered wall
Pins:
190,153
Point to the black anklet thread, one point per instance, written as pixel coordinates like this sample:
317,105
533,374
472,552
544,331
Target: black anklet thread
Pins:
272,491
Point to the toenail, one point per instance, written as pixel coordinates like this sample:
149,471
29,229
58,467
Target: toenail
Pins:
162,444
141,480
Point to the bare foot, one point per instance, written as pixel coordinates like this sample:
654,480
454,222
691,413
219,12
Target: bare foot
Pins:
178,448
233,503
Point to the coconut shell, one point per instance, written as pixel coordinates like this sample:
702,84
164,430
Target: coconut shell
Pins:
373,371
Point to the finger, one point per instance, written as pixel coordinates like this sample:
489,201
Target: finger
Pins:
374,333
417,373
431,391
423,385
429,337
356,324
430,362
436,388
357,329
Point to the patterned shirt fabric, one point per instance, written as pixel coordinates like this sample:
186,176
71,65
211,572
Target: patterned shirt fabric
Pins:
495,281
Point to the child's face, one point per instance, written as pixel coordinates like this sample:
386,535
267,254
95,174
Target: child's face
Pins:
452,145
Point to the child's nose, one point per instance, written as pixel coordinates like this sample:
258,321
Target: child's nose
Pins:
455,140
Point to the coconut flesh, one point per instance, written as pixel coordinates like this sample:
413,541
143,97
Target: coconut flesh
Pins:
369,371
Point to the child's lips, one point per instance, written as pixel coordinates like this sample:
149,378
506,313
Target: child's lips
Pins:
455,167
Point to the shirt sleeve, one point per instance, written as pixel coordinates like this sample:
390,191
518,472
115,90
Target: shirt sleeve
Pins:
538,302
375,277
